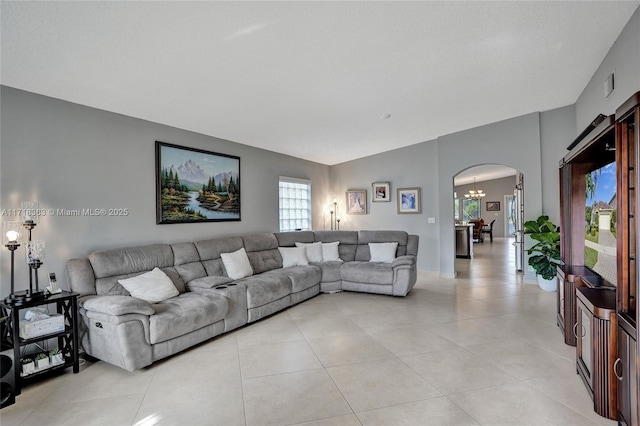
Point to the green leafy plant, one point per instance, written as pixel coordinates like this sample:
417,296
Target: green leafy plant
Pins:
546,251
26,360
613,221
42,355
55,351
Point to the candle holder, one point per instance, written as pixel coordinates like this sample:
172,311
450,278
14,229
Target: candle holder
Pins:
34,251
30,216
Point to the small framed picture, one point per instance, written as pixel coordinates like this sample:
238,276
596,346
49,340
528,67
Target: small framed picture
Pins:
357,201
381,191
493,206
409,200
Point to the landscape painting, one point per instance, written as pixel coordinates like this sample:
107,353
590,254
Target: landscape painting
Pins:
194,185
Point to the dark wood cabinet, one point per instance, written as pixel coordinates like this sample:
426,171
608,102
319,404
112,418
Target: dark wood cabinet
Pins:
626,371
596,350
627,363
584,358
562,310
569,279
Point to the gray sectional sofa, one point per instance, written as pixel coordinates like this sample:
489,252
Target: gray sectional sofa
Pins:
132,333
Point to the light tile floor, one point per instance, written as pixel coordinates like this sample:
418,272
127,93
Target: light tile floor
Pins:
483,348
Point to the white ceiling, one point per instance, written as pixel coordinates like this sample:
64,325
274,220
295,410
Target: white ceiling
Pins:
311,79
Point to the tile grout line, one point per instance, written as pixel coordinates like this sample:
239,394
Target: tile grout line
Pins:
324,367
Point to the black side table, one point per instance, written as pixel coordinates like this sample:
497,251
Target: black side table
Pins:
67,305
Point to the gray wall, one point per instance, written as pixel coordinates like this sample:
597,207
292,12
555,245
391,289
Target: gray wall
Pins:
413,166
514,143
557,131
518,143
70,156
495,189
624,59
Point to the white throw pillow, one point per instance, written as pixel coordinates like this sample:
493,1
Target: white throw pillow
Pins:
313,250
330,252
153,287
293,256
383,252
237,264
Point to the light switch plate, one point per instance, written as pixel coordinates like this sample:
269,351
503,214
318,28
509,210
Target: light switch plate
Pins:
431,220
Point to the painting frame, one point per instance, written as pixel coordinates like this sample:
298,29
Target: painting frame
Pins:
356,201
492,206
213,177
380,192
409,200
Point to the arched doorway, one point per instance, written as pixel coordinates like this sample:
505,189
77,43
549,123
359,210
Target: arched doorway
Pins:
494,195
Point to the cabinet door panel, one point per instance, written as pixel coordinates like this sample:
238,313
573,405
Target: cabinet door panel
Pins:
621,368
625,370
584,331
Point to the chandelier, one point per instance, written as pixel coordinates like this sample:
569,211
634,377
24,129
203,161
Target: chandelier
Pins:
475,194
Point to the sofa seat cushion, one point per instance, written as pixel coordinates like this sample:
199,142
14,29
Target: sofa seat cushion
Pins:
330,271
265,288
367,272
185,313
302,277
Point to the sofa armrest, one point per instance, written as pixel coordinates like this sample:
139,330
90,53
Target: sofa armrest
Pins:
117,305
408,260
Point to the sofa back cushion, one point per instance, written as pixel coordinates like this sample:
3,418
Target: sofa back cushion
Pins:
111,265
187,261
262,250
366,237
289,239
348,242
210,251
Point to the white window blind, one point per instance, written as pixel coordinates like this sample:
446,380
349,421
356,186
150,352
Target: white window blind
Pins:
295,204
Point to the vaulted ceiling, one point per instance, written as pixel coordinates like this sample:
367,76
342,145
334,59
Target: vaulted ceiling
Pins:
324,81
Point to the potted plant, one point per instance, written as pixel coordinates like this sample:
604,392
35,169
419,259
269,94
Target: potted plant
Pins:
56,356
27,366
42,360
546,251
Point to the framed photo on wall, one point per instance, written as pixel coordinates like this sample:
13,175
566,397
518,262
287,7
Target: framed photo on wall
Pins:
356,201
381,191
193,185
493,206
409,200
